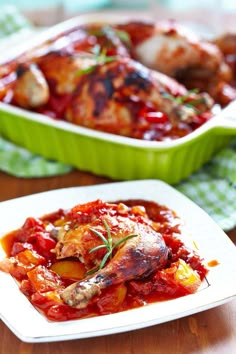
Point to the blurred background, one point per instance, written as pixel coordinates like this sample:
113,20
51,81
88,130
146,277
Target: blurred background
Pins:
207,12
209,18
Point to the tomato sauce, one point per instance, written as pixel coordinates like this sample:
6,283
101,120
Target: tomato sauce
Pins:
42,277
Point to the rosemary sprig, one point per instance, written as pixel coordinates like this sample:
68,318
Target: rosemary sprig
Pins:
85,71
100,57
178,99
124,36
108,244
185,99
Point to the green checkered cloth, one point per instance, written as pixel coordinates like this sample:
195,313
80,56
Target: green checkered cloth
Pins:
14,159
11,21
213,188
20,162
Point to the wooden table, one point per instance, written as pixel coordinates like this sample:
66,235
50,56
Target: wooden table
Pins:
209,332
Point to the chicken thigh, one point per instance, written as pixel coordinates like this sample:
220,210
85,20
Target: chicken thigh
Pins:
173,49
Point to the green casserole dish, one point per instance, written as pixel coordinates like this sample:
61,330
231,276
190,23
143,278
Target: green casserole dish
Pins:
109,155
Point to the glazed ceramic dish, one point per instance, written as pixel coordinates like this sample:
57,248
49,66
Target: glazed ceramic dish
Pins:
213,245
105,154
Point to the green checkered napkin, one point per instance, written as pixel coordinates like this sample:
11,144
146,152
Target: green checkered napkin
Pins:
213,188
11,21
22,163
13,159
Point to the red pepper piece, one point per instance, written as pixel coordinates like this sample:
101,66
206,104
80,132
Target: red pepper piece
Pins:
42,243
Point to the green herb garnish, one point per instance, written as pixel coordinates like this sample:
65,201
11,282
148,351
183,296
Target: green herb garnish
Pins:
124,36
108,244
85,71
100,57
184,100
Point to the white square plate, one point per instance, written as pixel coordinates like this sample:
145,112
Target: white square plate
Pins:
30,326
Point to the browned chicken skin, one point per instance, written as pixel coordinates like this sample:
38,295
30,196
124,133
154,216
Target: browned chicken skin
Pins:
60,69
31,89
137,257
174,50
168,47
112,96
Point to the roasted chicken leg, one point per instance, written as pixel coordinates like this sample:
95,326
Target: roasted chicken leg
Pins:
138,256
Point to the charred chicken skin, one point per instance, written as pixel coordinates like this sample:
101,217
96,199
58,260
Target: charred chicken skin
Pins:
143,252
121,97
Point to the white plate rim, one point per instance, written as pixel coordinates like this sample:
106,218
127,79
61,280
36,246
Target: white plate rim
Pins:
212,242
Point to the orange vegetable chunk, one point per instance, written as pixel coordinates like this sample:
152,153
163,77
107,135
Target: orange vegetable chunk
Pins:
182,275
69,269
44,279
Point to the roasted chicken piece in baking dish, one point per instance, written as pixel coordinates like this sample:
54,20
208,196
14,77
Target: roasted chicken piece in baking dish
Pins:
126,98
90,46
173,49
55,69
227,44
54,72
169,47
31,89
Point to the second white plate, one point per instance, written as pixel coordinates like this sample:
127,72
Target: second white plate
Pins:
30,326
